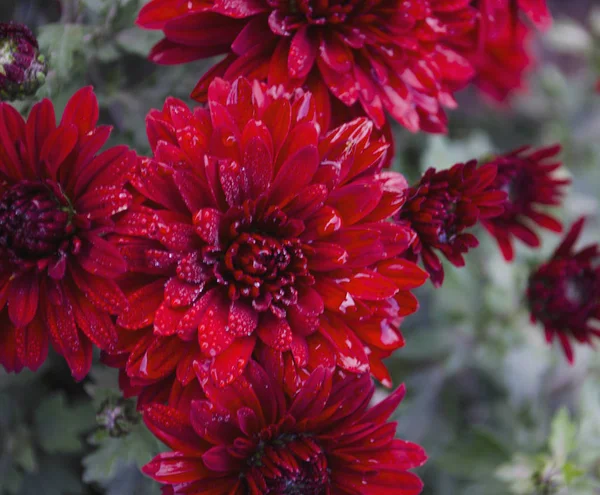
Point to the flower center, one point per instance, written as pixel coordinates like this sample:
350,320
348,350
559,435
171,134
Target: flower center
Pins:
448,229
568,291
262,259
290,465
518,186
315,11
574,291
35,220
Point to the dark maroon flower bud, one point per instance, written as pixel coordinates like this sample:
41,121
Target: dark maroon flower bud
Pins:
22,68
564,293
528,178
440,209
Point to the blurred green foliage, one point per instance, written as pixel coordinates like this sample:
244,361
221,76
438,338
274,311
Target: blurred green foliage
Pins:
498,411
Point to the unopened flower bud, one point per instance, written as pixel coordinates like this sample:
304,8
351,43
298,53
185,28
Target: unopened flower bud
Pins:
22,68
118,416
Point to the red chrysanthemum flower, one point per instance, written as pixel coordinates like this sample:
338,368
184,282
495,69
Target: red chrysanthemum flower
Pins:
251,438
564,293
503,61
58,202
527,179
377,54
256,226
502,57
442,206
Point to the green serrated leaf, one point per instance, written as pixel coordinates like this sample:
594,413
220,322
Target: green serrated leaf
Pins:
59,426
138,448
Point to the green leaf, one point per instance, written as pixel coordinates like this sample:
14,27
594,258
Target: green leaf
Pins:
103,385
474,456
131,481
55,477
138,41
571,472
562,436
59,426
138,448
96,6
62,42
23,451
10,478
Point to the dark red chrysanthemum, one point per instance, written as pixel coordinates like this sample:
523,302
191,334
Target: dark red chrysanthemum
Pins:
58,202
503,61
376,54
564,293
258,227
527,179
501,58
442,206
250,438
22,68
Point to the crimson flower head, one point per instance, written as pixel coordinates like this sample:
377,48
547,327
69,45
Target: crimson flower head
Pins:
442,206
564,293
501,57
252,438
526,176
22,68
258,228
59,199
377,54
503,61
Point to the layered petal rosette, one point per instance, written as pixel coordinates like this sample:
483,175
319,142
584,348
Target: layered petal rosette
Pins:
252,438
564,293
378,55
442,206
59,199
253,226
527,176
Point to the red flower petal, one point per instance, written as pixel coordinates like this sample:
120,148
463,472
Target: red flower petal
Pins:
23,295
32,344
82,111
275,332
230,364
173,428
101,258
